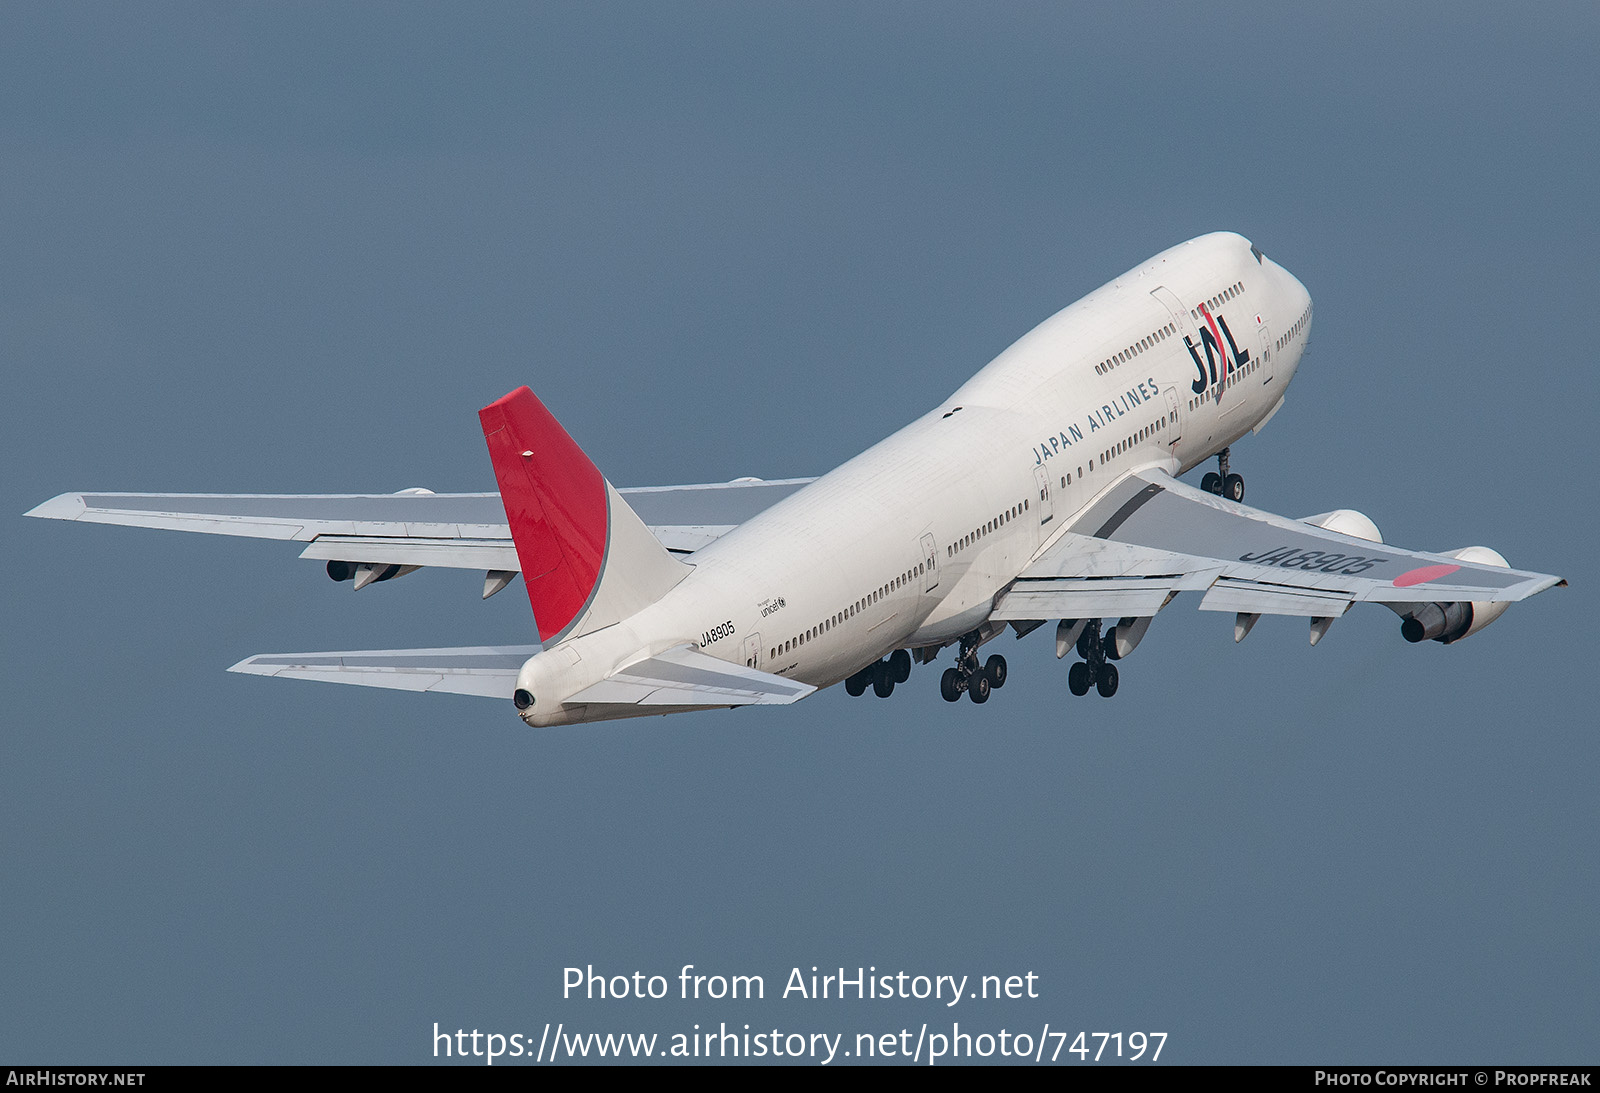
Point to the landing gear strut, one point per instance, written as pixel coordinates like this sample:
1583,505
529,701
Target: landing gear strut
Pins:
1093,670
971,678
1221,482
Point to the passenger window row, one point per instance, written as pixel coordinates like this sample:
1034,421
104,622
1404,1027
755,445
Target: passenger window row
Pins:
1294,331
1146,342
1126,444
1219,299
988,528
1226,382
839,618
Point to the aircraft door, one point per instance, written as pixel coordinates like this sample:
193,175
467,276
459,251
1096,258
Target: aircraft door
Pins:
1041,478
752,651
1186,330
1264,332
1174,425
930,558
1180,314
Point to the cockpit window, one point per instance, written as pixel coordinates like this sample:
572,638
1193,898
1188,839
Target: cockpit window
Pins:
1255,250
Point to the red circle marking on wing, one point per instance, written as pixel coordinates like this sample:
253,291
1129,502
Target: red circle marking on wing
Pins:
1424,575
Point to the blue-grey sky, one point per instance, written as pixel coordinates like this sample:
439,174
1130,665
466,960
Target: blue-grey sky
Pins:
295,247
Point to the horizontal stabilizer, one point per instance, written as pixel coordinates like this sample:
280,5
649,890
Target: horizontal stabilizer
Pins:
684,676
489,671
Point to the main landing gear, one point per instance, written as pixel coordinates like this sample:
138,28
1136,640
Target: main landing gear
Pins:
881,675
968,677
1094,670
1221,482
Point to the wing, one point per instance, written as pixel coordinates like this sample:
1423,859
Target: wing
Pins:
1152,536
413,527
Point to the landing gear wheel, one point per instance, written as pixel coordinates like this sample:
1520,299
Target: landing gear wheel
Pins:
856,685
995,669
1106,684
899,665
882,681
1211,482
950,685
1079,679
978,688
1233,487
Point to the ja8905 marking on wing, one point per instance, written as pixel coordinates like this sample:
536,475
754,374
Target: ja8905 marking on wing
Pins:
1313,560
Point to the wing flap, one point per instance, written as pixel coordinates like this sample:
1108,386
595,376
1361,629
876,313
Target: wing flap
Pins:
482,554
1083,599
684,676
1255,598
488,671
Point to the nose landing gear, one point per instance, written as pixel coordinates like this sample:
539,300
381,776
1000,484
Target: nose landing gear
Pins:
1221,482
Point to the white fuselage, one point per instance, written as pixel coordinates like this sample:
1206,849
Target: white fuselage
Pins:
908,544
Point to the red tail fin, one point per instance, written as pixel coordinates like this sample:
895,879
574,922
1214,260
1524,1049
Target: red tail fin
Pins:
555,501
587,558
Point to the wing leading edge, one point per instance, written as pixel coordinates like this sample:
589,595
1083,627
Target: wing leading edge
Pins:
413,527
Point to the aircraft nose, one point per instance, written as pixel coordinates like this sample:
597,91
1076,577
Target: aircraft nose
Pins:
1294,294
1298,310
1296,300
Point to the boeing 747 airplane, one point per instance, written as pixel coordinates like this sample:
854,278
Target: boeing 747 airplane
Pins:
1044,489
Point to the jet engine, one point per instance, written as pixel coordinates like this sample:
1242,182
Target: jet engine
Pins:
1126,635
365,573
1346,522
1452,621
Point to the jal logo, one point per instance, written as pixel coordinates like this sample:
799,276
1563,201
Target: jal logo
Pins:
1212,335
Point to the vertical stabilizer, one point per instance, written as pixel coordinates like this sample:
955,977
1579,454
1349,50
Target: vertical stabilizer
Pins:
587,559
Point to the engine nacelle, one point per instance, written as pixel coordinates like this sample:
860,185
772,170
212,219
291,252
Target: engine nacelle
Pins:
365,573
1067,633
1347,522
1125,636
1444,622
1448,622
